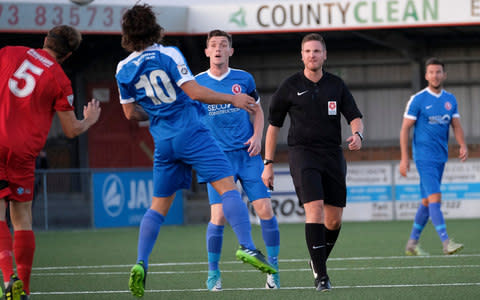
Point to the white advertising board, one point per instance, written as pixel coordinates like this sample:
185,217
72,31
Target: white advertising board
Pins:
369,192
284,199
376,191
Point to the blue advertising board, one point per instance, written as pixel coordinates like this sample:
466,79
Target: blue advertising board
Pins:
450,191
460,191
121,199
374,193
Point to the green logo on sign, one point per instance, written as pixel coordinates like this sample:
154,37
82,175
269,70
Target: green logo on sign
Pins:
238,18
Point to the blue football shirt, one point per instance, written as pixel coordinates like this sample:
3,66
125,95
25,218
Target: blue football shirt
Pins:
230,125
433,114
152,78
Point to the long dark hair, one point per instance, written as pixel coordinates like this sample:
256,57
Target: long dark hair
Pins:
140,28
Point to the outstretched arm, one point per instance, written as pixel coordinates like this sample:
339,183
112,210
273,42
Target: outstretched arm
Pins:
206,95
73,127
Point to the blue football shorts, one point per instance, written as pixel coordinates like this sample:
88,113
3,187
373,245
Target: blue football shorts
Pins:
175,157
248,170
431,173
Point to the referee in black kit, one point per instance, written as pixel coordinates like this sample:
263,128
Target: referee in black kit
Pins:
314,100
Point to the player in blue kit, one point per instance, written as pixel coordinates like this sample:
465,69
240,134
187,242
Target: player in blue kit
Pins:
241,141
431,112
156,84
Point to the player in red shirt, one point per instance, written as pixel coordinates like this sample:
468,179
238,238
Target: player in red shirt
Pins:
33,87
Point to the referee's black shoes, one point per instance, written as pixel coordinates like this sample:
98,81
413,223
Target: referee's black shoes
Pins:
323,284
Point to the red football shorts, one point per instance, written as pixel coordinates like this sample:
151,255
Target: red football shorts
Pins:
18,170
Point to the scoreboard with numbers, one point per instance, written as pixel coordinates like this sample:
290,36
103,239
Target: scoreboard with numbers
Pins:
38,16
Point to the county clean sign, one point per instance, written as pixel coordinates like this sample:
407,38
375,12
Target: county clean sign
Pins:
121,199
301,16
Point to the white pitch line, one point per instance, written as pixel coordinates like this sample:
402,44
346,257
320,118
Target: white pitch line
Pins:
402,257
263,289
238,262
253,271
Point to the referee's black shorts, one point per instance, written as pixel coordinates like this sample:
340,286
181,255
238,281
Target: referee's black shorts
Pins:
318,174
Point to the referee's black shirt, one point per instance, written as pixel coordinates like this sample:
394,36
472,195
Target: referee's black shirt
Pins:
314,109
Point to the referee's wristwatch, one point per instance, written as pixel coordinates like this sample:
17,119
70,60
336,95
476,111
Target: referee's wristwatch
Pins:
267,162
359,134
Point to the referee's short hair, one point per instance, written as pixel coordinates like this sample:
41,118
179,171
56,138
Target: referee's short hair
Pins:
434,61
314,37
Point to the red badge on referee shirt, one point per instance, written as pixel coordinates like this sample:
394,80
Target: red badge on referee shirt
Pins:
332,108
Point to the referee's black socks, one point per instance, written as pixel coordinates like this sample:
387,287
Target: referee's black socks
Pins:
315,238
330,239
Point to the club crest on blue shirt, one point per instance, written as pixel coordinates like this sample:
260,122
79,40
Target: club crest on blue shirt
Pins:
448,105
236,88
332,108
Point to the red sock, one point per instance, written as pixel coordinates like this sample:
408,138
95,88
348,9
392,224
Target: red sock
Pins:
23,249
6,260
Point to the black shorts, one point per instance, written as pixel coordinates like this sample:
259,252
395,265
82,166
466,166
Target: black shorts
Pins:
319,174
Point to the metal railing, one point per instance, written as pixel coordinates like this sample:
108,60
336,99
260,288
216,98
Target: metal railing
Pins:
62,199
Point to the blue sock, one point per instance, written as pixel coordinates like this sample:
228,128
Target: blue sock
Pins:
236,213
437,220
421,219
271,236
149,228
214,245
